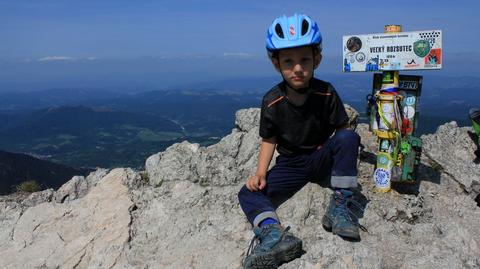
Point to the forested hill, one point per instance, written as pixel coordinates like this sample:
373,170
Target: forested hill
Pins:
18,168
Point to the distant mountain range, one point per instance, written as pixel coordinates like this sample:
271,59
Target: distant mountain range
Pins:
82,136
17,168
109,128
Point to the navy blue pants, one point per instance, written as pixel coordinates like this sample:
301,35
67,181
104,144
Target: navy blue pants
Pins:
336,159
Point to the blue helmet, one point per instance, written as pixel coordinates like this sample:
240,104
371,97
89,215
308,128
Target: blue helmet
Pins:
295,31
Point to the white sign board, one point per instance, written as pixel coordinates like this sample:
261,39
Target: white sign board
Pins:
393,51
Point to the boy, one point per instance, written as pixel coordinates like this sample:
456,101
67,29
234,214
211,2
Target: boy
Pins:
298,118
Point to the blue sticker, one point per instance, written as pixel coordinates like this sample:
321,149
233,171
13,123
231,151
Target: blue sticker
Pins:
346,65
381,177
372,64
410,101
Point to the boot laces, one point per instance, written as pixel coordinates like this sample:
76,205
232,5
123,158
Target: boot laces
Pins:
344,209
256,239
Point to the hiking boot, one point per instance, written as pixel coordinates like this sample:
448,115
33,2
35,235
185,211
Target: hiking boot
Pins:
275,245
337,217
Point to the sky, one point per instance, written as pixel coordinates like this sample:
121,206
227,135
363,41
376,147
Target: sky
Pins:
155,44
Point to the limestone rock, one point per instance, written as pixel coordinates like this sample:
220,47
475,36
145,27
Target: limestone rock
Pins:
72,189
38,198
419,219
94,177
86,233
225,163
352,116
247,119
78,186
188,215
452,148
176,162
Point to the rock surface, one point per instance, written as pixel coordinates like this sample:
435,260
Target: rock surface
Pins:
91,232
187,214
453,149
78,186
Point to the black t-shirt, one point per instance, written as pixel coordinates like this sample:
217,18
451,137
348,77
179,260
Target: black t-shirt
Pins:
301,128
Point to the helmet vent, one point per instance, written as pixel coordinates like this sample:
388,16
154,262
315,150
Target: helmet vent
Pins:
305,26
279,31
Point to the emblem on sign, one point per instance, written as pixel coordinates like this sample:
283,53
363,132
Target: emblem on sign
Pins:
354,44
421,48
360,57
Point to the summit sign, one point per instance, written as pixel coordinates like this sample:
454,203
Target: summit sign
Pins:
418,50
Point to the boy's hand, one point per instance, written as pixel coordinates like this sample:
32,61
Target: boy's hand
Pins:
256,183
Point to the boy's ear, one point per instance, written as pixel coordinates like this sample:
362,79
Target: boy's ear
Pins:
317,60
275,63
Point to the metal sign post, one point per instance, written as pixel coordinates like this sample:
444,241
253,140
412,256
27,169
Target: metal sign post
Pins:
392,105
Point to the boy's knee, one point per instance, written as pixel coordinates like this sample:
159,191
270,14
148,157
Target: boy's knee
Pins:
347,136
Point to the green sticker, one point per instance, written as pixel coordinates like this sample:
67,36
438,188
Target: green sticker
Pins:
405,147
383,160
421,48
388,77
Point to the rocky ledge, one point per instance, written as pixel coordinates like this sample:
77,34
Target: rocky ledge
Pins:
182,212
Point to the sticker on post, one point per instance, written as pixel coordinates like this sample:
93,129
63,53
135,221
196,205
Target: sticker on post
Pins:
387,107
382,177
409,112
383,160
410,101
385,145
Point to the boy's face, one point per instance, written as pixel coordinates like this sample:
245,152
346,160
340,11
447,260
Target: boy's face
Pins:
296,65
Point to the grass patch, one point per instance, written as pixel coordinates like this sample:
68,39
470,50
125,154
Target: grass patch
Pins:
144,177
28,186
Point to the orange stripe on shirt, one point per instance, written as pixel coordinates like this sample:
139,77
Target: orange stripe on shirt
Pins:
275,101
322,93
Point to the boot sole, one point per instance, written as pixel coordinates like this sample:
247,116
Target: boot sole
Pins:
327,225
278,256
352,236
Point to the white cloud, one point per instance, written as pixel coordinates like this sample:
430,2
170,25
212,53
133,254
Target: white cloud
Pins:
55,59
182,57
242,55
65,59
